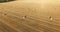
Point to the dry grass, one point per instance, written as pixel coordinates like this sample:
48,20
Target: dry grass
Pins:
37,20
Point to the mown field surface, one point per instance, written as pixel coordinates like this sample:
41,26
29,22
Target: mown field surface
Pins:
37,14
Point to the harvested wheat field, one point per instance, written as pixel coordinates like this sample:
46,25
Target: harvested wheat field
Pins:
30,16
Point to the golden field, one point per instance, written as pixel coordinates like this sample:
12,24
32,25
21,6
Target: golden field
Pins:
37,14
